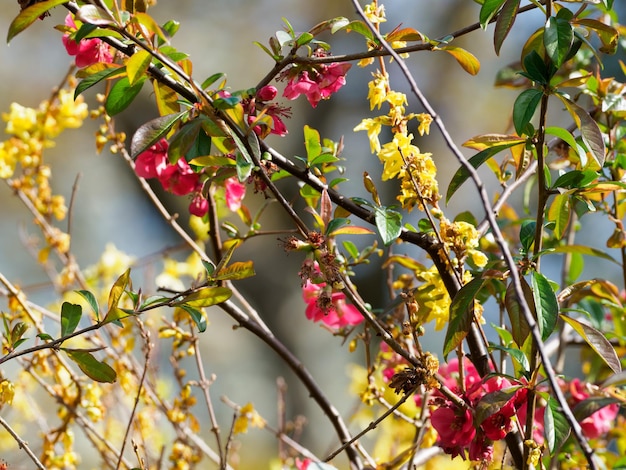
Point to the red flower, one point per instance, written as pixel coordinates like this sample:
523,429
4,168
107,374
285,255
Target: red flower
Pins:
327,80
199,206
152,162
87,51
455,428
235,192
331,310
179,179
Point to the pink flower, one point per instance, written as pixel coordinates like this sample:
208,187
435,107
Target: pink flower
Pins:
302,464
335,312
598,423
455,428
152,162
87,51
235,192
266,93
303,85
179,179
328,79
199,206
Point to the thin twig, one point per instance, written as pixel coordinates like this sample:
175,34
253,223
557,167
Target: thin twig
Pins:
21,443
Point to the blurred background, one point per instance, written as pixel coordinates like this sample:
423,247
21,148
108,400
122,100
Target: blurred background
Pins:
219,35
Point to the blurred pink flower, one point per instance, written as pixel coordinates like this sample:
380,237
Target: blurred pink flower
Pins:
328,79
152,162
598,423
179,179
199,206
235,192
87,51
302,464
338,314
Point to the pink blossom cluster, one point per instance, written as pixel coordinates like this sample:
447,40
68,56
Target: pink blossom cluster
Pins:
327,306
317,84
266,117
598,423
87,51
458,429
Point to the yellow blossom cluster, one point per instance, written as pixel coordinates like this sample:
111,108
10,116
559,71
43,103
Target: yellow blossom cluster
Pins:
400,158
462,238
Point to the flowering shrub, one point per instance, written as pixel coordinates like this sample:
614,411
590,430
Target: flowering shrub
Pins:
501,390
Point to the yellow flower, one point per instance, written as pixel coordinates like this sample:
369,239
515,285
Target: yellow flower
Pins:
7,392
433,298
373,126
378,88
375,13
424,123
419,181
395,98
393,153
20,121
8,159
247,415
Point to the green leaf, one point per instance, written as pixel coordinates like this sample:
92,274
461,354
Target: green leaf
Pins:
558,37
559,213
29,15
312,143
516,354
527,234
152,131
536,69
235,271
359,27
488,11
597,341
213,78
546,305
115,295
524,108
182,141
91,300
520,329
589,406
589,131
97,77
576,179
17,332
462,174
608,35
94,15
92,367
491,403
122,95
556,428
504,23
45,337
70,317
197,316
205,297
582,250
466,59
461,315
389,224
137,65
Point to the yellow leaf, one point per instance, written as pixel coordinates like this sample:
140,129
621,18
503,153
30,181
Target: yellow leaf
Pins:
166,99
466,59
484,141
137,65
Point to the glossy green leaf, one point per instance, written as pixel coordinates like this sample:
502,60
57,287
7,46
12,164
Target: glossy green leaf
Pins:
92,367
462,174
359,27
197,316
183,140
524,108
576,179
581,250
491,403
205,297
17,332
137,65
488,11
70,317
520,329
546,305
122,95
516,354
312,143
556,427
29,15
597,341
608,35
389,224
91,300
461,315
504,23
152,131
97,77
466,59
558,37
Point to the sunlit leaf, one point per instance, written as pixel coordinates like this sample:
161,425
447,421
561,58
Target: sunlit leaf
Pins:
183,140
235,271
389,224
91,367
582,250
559,213
608,35
137,65
197,316
148,22
461,315
70,317
91,300
115,295
527,234
546,305
466,59
556,427
205,297
589,130
597,341
29,15
97,77
485,141
122,94
17,333
488,11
